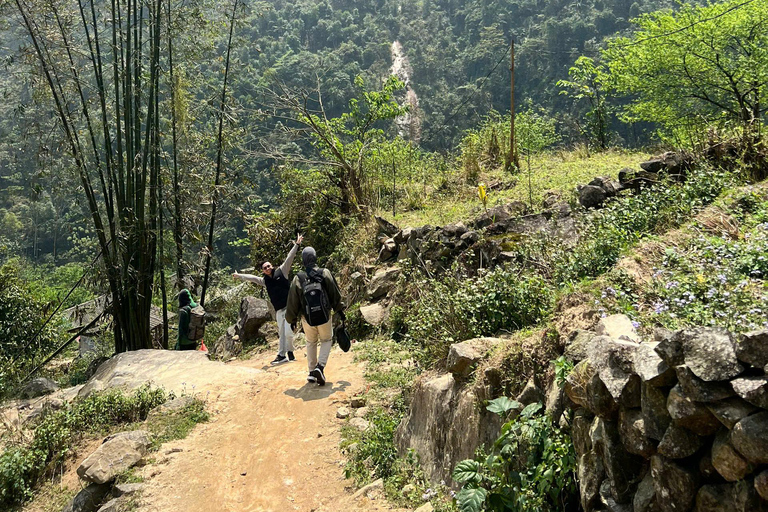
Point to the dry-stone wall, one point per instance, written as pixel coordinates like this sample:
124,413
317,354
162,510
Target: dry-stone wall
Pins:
676,424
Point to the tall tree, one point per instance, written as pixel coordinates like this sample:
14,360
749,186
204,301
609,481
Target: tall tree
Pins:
110,124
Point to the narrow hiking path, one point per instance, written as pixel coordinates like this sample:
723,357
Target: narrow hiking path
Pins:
272,445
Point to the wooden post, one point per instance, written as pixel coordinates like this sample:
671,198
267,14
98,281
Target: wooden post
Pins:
512,158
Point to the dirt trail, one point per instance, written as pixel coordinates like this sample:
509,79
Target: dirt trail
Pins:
272,445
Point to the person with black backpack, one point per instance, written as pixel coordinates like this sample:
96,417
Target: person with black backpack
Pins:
313,294
275,280
188,337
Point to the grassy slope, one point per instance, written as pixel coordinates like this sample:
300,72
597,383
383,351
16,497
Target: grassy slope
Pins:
560,170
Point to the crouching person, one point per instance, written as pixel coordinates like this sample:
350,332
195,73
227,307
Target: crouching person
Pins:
313,294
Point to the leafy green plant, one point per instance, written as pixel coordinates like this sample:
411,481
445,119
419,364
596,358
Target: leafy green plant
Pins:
22,466
530,467
563,367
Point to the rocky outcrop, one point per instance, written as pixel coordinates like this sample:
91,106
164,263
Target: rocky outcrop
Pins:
464,356
697,439
38,387
254,313
88,499
444,426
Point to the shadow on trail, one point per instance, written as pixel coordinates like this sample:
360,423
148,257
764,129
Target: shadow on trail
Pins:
311,391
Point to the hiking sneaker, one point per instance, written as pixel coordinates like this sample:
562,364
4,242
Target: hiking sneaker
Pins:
319,375
311,378
279,360
291,357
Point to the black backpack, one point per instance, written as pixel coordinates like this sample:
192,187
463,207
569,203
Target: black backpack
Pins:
317,307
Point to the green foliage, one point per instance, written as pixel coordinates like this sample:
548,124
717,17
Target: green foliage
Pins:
375,454
464,307
588,82
22,314
23,466
530,468
563,367
702,65
622,223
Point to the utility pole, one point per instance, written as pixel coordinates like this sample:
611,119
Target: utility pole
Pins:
512,158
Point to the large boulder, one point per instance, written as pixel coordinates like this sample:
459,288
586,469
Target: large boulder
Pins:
500,213
590,473
613,360
228,345
118,453
674,484
709,353
653,403
464,356
645,497
386,227
38,387
253,314
633,433
624,470
761,484
750,437
531,393
382,282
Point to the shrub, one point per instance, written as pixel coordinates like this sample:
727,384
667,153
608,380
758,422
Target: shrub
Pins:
375,455
464,307
530,468
23,466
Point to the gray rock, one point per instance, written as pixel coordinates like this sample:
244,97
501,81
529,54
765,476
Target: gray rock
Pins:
709,353
389,250
752,389
115,505
706,469
699,390
470,238
88,499
577,383
500,213
362,412
617,327
653,165
653,403
357,402
675,485
555,402
385,226
372,489
645,497
402,236
126,489
576,348
750,437
582,423
727,461
733,497
752,348
651,367
427,507
343,413
118,453
464,356
679,443
599,399
608,501
38,387
374,314
531,394
631,396
590,473
761,484
253,314
687,413
613,360
633,433
623,469
360,424
731,411
669,347
172,406
228,345
382,282
591,196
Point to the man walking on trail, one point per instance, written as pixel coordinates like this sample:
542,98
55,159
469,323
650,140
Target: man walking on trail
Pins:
313,294
275,280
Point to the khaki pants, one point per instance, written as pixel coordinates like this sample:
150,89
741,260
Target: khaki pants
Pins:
322,334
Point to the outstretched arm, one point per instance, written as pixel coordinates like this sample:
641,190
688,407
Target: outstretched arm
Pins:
250,278
286,266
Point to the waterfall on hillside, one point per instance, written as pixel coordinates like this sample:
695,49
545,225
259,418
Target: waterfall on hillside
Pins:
409,125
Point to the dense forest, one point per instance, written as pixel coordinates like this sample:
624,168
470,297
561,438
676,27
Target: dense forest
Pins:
458,69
